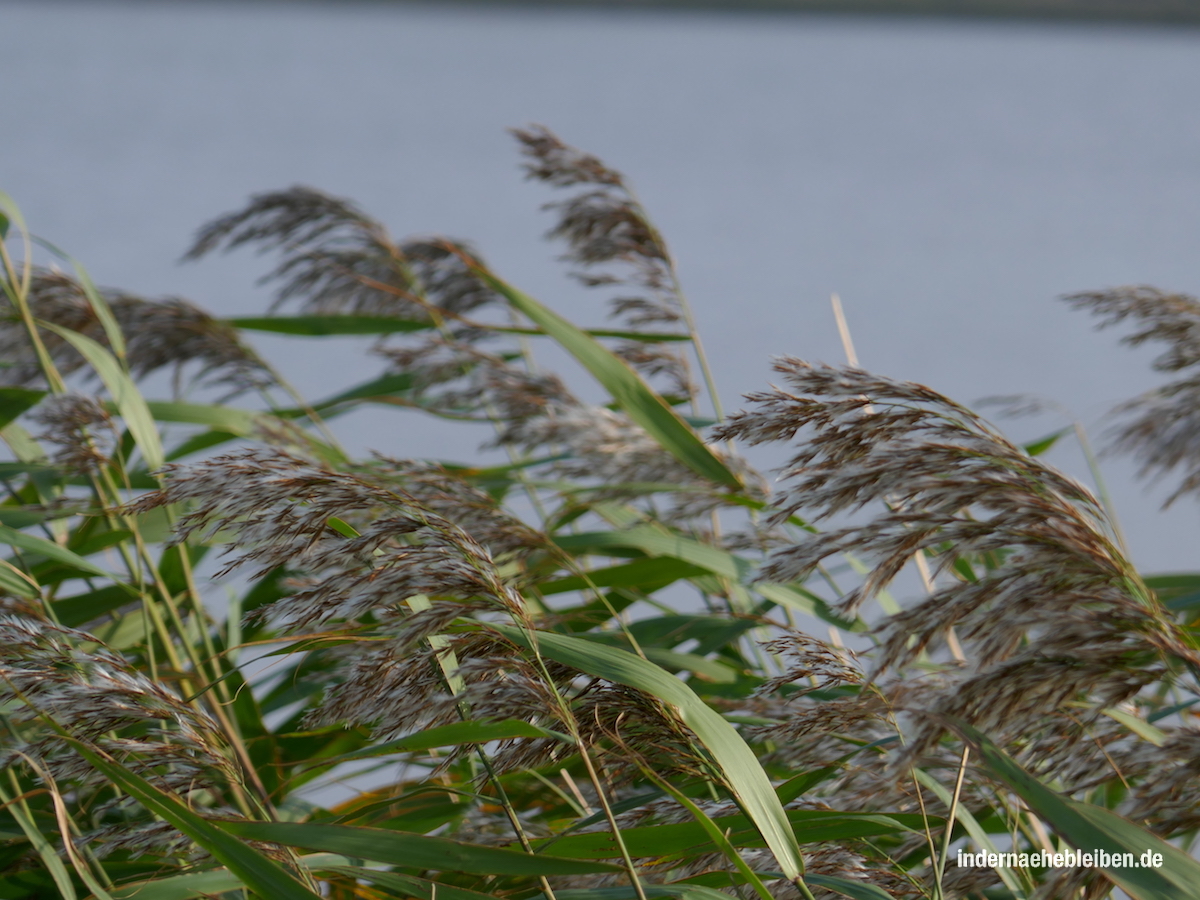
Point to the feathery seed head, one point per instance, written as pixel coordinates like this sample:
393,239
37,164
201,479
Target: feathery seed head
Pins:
81,429
97,698
612,242
1057,616
159,334
339,261
1161,428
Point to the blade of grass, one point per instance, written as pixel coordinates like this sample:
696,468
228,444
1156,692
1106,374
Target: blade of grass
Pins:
1091,828
125,394
19,810
734,759
404,849
627,388
257,871
658,542
50,550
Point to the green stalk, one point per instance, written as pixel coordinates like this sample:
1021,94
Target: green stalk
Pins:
20,299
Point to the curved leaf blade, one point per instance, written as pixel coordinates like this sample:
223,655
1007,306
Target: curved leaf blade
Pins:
632,394
260,873
132,405
737,762
660,543
1090,827
405,849
50,550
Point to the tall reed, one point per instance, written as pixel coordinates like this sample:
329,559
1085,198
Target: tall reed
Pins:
236,662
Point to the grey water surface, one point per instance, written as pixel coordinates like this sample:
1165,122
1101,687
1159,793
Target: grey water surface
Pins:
948,179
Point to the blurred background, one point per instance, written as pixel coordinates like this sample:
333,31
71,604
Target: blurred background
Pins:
949,177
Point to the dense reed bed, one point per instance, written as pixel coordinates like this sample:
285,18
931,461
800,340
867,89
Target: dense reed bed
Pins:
235,661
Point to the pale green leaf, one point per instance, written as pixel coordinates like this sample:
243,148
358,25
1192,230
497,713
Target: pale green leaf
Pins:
124,392
257,871
1140,727
49,549
736,761
630,392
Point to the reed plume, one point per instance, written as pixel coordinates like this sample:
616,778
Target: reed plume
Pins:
167,333
509,640
336,260
403,667
1047,608
1161,427
612,244
100,700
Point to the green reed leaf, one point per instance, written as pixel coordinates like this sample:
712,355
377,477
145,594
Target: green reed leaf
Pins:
15,401
1037,448
208,883
691,838
855,890
657,572
181,887
707,669
130,402
83,608
622,333
627,388
658,542
417,850
258,872
48,853
225,418
103,311
409,885
225,423
735,760
320,326
1089,827
384,386
16,582
50,550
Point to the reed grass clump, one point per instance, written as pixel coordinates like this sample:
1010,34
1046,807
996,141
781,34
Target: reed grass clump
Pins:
235,661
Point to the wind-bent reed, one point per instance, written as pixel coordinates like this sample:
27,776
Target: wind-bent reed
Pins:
593,671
